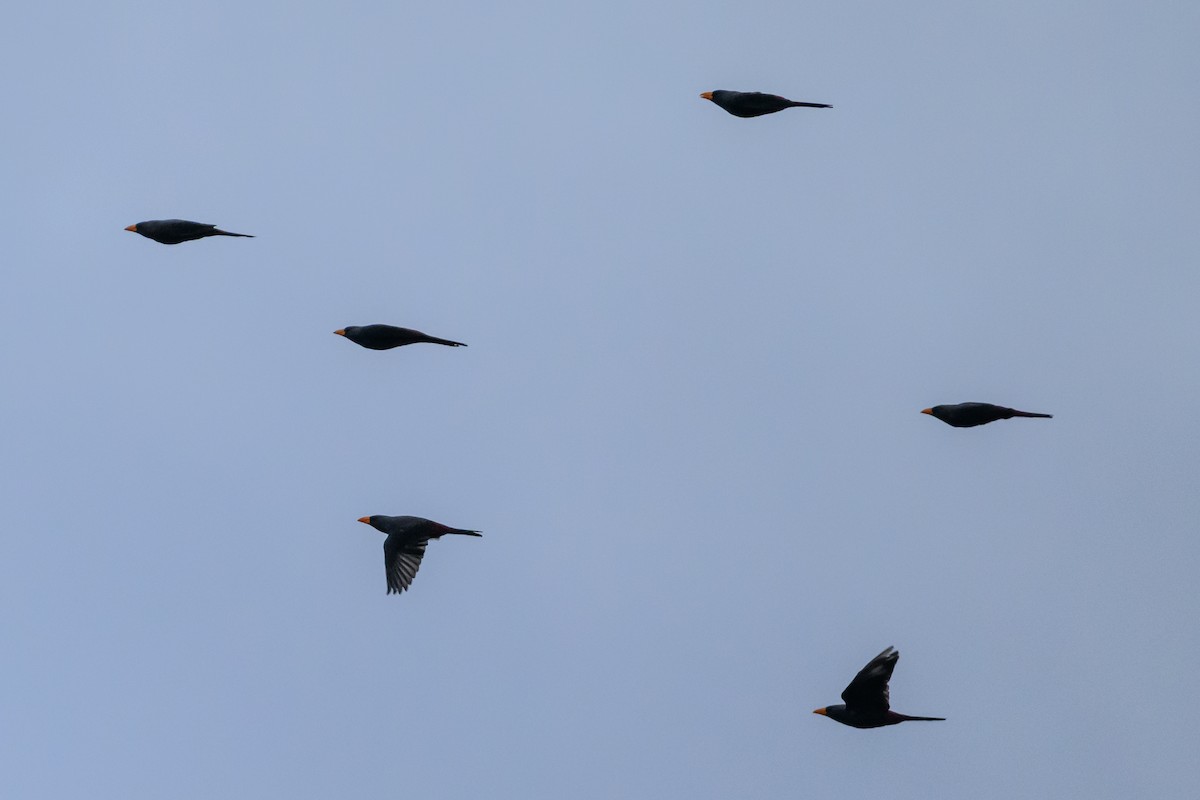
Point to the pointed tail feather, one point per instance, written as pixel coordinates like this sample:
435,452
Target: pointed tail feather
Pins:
796,103
1031,414
922,719
447,342
219,232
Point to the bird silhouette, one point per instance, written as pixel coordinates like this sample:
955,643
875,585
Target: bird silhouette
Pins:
968,415
174,231
404,546
385,337
754,104
866,698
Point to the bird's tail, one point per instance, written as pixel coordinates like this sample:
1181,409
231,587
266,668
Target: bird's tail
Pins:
219,232
907,718
797,103
464,532
1031,414
447,342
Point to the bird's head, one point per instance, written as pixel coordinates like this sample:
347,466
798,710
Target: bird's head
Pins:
132,228
833,712
347,331
935,412
705,95
367,521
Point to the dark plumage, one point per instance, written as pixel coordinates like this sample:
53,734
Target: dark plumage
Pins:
754,104
968,415
385,337
866,697
174,231
404,546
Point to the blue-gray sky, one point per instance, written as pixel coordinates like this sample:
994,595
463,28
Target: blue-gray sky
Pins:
686,422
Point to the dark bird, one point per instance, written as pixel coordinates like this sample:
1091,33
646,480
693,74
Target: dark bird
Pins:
754,104
968,415
866,697
174,231
404,546
385,337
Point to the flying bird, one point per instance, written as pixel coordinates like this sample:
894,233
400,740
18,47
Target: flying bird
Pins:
866,697
968,415
754,104
385,337
174,231
404,546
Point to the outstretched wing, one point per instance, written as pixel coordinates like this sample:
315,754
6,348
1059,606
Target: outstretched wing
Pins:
868,692
402,560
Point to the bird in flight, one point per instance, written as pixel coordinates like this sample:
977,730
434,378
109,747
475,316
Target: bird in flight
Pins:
968,415
754,104
385,337
404,546
866,698
174,231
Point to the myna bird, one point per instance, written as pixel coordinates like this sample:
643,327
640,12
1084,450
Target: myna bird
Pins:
968,415
866,697
404,546
174,231
385,337
754,104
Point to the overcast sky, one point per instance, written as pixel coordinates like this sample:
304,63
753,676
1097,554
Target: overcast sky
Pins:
687,421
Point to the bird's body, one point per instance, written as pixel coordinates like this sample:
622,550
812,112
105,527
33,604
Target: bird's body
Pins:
385,337
867,702
754,104
843,715
404,546
968,415
174,231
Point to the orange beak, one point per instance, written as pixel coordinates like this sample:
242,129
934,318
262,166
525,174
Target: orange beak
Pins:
367,520
927,411
820,711
132,228
706,95
340,332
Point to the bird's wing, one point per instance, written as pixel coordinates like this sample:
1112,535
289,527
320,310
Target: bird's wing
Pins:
402,560
869,689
